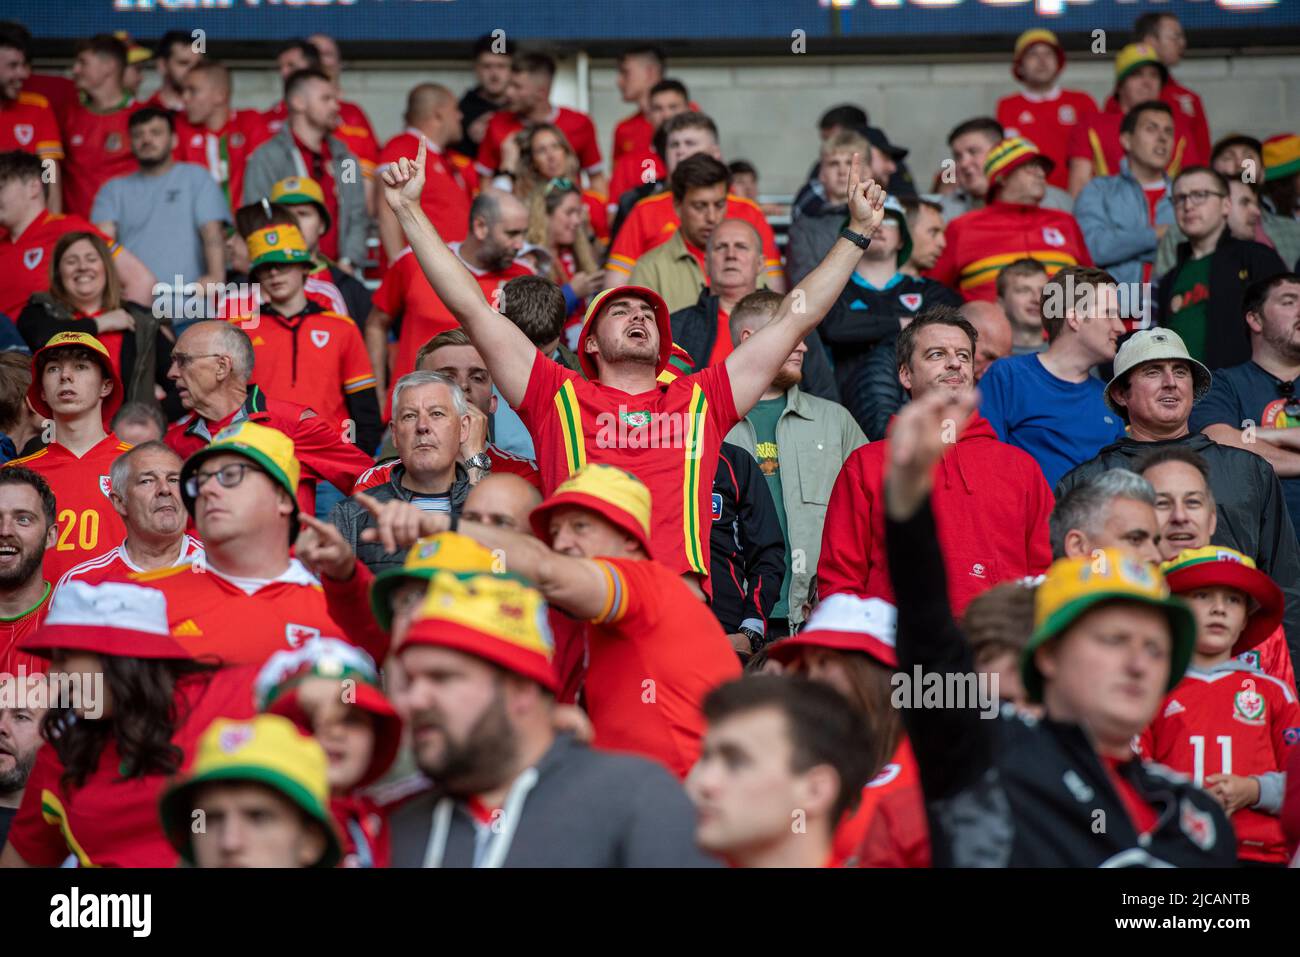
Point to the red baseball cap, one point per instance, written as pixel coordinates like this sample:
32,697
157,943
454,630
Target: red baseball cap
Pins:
597,306
846,623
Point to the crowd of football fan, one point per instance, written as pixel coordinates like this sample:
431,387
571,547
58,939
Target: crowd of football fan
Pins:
479,500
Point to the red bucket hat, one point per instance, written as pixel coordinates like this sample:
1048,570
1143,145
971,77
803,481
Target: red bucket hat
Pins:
612,493
846,623
1226,567
279,682
115,618
85,340
597,306
499,618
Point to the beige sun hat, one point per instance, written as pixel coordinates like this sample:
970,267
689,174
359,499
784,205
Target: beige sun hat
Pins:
1152,345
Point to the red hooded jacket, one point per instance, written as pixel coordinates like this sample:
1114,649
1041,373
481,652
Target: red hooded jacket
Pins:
990,502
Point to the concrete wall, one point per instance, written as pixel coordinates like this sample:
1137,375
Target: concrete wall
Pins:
767,109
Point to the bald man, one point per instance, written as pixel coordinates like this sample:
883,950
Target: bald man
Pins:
450,181
503,500
994,329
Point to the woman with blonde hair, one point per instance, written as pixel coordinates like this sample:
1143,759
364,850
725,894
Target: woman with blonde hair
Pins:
557,229
545,154
86,296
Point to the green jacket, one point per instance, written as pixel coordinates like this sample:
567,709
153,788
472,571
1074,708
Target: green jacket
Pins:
670,270
814,437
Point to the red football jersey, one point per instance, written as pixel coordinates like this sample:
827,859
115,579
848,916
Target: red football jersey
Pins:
317,357
87,521
653,220
1230,720
60,91
25,260
662,437
1047,122
655,652
358,135
115,565
213,615
889,828
98,148
109,821
450,183
635,169
13,630
1097,139
634,134
223,153
29,124
406,292
576,127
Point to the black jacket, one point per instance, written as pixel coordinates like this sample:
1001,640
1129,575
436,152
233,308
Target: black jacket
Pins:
1252,513
142,368
745,542
695,329
875,394
354,293
351,518
1020,792
1235,264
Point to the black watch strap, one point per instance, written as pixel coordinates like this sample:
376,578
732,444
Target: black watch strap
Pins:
857,239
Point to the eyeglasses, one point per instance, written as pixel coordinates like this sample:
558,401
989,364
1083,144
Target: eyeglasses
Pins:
561,183
1194,198
228,476
183,359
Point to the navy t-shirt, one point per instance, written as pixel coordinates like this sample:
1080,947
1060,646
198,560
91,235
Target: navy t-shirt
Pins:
1247,393
1061,424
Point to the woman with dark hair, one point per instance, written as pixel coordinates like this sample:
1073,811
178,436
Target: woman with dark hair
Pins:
848,643
86,296
556,227
138,704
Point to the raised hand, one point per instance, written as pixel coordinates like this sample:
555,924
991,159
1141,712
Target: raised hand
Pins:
322,548
866,200
921,432
399,525
404,180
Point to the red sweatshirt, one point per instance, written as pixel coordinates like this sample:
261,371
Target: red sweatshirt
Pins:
983,241
990,502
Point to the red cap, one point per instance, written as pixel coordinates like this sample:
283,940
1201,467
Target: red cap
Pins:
597,305
115,618
84,340
846,623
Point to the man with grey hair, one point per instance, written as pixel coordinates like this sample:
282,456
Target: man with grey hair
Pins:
734,256
212,363
1114,510
146,492
139,422
430,421
800,442
498,223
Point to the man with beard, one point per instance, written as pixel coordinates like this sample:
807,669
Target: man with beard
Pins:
146,492
27,529
27,120
170,214
800,442
991,501
509,791
20,736
1260,395
621,414
497,225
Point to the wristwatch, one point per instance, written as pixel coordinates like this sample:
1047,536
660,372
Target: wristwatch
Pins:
857,239
479,461
756,639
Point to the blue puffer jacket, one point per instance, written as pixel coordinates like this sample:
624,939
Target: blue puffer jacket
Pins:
1112,212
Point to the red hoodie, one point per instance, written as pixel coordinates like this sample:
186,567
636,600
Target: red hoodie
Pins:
991,505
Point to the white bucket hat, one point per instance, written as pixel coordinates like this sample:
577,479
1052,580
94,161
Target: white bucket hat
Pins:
1153,345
